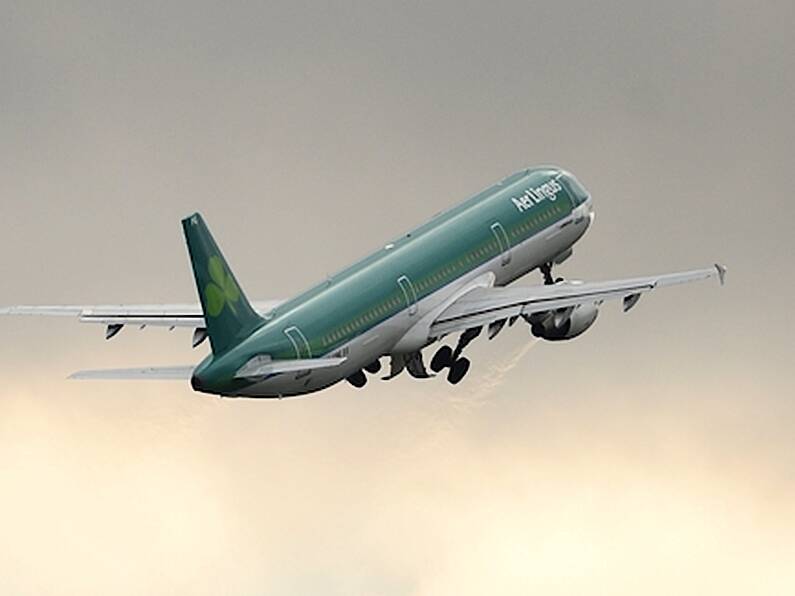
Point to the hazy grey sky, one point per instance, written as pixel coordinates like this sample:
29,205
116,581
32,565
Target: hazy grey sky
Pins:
653,455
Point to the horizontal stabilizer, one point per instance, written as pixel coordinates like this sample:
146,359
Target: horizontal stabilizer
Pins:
262,366
147,373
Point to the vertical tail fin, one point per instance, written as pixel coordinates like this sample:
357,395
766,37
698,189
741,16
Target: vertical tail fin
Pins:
227,313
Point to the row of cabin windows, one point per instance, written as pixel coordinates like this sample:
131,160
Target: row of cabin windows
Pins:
458,266
538,220
398,301
370,316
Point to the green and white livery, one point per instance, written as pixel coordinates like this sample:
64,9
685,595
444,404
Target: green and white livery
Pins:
447,277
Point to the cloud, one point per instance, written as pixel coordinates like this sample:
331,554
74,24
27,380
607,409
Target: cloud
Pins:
335,494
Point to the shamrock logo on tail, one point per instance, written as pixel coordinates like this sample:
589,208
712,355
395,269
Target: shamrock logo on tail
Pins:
222,290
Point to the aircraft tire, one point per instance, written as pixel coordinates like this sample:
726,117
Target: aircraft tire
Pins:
458,371
442,359
357,379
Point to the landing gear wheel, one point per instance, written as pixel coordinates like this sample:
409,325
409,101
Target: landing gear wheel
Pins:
458,371
442,359
373,367
357,379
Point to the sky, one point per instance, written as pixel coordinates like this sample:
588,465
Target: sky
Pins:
653,454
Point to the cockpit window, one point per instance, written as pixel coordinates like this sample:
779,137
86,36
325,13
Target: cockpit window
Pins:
576,190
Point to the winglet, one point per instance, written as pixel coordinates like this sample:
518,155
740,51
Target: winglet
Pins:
721,273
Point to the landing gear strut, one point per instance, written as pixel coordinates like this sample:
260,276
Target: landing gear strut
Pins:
465,339
546,271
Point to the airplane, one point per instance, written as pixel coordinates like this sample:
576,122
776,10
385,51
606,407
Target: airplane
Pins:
446,277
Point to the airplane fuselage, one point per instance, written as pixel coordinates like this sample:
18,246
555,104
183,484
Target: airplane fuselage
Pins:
385,303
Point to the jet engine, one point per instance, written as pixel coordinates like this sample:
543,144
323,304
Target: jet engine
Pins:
565,323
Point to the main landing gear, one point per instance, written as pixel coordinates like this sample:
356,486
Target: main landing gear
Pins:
446,357
442,359
458,371
359,379
373,367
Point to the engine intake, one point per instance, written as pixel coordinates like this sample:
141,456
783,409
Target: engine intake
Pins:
560,325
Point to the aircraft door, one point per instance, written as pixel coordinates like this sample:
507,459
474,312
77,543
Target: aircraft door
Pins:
409,294
502,242
299,342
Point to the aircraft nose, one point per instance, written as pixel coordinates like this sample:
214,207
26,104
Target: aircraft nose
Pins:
576,190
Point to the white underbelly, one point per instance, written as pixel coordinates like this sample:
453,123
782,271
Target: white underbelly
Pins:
382,339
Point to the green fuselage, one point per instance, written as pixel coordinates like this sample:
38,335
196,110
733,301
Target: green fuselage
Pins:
403,273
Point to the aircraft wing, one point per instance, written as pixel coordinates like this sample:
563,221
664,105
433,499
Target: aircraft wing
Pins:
482,306
116,316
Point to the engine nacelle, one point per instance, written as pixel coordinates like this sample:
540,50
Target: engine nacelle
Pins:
556,326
